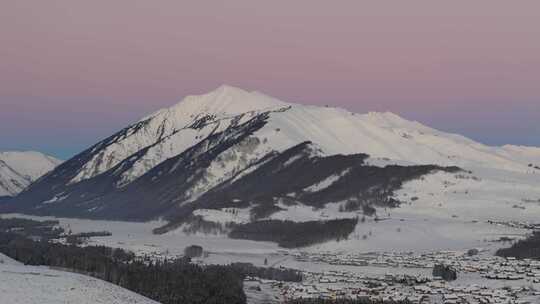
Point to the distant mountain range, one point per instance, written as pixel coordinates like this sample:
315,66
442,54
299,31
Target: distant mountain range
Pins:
237,157
20,169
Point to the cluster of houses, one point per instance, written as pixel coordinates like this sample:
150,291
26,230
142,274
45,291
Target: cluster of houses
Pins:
516,224
415,287
385,290
488,266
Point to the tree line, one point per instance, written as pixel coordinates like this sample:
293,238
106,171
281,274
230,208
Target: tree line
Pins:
269,273
522,249
291,234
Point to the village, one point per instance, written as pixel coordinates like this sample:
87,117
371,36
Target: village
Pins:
480,278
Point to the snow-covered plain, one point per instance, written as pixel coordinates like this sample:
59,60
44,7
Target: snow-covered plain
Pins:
138,237
20,284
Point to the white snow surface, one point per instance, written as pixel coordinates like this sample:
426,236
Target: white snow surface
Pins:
327,182
450,211
225,215
41,285
302,213
5,260
522,154
18,169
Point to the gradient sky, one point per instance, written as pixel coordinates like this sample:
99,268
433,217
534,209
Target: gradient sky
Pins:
73,72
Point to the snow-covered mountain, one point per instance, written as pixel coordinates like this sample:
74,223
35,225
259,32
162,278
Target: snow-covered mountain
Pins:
19,169
244,153
173,130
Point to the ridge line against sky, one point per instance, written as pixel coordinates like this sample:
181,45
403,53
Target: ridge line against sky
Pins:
72,73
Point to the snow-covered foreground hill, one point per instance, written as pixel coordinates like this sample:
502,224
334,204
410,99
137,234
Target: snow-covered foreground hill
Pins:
41,285
19,169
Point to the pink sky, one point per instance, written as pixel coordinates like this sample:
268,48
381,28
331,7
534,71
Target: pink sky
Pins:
72,72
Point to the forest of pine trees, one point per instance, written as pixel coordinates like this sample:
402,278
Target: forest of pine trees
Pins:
522,249
269,273
290,234
169,282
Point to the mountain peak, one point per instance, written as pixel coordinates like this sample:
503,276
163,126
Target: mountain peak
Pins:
228,89
231,100
222,101
392,120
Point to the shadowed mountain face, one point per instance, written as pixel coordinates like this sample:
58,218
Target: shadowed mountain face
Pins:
231,149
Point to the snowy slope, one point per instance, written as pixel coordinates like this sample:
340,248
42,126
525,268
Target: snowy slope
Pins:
523,154
170,131
19,169
5,260
30,164
41,285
